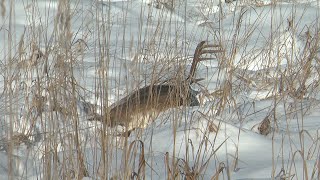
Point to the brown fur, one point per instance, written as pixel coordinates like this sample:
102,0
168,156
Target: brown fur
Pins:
145,104
149,101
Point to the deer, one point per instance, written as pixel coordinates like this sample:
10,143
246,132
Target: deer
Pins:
146,103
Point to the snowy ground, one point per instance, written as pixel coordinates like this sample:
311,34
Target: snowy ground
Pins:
259,113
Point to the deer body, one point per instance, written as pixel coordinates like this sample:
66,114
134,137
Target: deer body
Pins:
144,104
149,101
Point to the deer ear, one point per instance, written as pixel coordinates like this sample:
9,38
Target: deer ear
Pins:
194,100
197,80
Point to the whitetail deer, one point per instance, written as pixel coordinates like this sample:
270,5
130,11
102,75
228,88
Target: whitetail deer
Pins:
146,103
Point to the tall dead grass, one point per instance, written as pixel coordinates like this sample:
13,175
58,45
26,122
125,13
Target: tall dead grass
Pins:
44,72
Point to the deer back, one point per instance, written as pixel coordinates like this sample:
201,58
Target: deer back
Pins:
151,100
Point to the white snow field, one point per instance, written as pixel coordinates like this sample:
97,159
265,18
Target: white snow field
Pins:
64,62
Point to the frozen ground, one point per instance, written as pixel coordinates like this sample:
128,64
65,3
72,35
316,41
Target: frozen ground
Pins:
259,114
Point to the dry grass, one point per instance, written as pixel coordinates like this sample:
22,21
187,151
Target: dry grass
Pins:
44,74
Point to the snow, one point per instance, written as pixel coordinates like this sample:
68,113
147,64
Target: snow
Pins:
264,74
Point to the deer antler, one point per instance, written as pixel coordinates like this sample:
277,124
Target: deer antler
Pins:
200,49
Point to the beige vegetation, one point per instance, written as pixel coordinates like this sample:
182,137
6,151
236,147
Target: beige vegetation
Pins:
48,94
